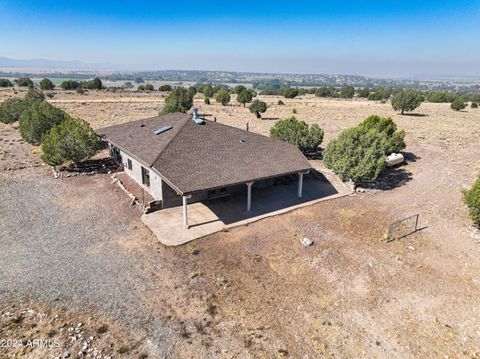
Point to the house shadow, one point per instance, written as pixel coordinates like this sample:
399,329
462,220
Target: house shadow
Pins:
280,196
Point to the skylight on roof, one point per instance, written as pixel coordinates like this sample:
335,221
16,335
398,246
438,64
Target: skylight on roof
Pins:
163,129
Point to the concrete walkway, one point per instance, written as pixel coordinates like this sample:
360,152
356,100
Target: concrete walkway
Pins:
213,216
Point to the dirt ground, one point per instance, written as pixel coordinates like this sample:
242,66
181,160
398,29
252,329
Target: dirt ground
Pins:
255,291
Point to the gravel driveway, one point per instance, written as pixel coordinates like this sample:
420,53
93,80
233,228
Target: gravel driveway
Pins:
56,246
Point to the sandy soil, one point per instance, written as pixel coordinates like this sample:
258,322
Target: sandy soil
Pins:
256,292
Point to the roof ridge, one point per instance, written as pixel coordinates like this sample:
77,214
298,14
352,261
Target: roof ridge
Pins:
169,142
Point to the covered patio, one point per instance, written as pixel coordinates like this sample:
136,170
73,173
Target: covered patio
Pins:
250,205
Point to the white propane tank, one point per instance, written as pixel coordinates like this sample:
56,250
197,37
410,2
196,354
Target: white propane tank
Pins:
394,159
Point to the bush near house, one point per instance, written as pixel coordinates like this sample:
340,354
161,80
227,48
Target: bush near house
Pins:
5,83
37,119
72,140
46,84
458,104
298,133
223,97
258,107
359,153
471,197
178,100
406,100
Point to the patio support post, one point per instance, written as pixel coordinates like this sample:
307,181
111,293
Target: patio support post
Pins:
300,184
249,195
185,211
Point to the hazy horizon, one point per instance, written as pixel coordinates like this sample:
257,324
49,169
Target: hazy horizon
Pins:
394,39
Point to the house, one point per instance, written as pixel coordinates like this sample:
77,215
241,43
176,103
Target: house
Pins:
180,158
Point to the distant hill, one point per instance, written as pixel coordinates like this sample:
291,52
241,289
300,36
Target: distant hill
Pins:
47,64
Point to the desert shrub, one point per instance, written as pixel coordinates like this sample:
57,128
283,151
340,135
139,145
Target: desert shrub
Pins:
141,88
325,92
24,82
474,105
244,96
128,85
38,119
70,85
258,107
298,133
139,80
11,110
149,87
290,92
71,140
178,100
165,88
406,100
458,104
347,92
471,197
280,103
294,111
5,83
81,91
46,84
223,97
439,97
207,101
192,91
359,153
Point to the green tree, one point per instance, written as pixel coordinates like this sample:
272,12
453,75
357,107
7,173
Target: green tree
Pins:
223,97
149,87
70,85
128,85
239,88
471,197
5,83
347,92
24,82
165,88
359,153
96,84
37,119
46,84
11,110
71,140
258,107
458,104
244,96
474,105
298,133
406,100
208,91
178,100
290,92
33,95
364,92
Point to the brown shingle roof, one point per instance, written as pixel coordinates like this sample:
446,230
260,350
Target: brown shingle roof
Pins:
194,157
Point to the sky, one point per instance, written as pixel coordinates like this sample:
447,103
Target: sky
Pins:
388,38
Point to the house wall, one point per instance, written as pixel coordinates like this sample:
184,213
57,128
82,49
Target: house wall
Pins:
155,188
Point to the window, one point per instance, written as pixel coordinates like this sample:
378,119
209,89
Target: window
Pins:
145,177
129,164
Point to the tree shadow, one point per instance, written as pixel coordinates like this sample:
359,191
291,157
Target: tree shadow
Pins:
98,165
393,177
415,114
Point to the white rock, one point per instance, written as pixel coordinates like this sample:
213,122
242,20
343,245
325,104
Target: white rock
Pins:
307,241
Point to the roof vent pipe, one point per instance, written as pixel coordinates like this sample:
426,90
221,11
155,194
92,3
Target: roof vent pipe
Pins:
198,120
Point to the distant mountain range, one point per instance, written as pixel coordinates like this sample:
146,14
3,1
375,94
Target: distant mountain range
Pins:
47,64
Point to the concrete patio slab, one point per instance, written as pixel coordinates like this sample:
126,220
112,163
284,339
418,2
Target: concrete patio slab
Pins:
209,217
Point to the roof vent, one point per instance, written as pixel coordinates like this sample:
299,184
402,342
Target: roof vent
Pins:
198,120
163,129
